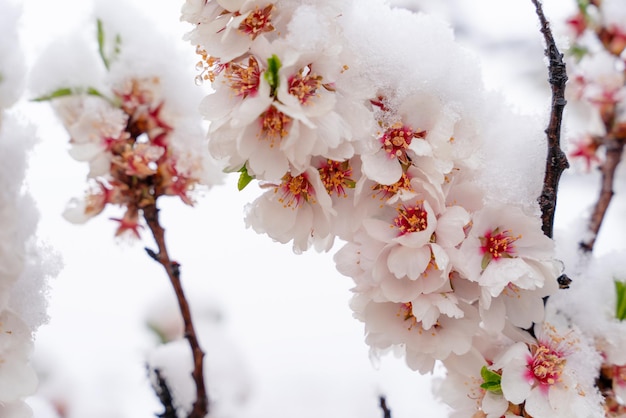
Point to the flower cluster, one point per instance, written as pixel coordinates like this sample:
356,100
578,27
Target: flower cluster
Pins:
138,141
352,137
598,59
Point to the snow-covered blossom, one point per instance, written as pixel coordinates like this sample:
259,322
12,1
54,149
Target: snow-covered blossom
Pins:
391,152
135,130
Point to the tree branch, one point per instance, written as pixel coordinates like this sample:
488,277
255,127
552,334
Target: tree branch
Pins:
382,402
165,396
151,215
614,151
556,161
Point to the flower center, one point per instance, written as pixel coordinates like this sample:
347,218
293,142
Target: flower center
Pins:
397,139
335,176
257,22
411,219
304,85
295,191
208,66
546,365
619,375
406,313
274,125
244,80
495,245
387,191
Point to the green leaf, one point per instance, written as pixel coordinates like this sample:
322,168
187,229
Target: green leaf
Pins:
578,51
582,5
271,74
64,91
118,45
492,387
69,91
491,380
115,51
620,307
244,178
101,40
486,260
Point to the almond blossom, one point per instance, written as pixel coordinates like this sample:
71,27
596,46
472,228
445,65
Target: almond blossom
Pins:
298,209
402,140
506,247
93,125
549,376
389,325
463,389
227,29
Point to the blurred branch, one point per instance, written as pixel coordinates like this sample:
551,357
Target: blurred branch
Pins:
613,143
614,151
165,396
556,161
151,215
383,405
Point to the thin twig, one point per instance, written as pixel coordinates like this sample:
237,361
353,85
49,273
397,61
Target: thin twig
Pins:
165,396
151,215
614,150
556,161
382,402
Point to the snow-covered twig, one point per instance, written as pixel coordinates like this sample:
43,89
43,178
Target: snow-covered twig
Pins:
165,396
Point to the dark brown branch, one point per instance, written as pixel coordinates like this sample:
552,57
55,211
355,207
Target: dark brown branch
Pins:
165,396
614,151
556,161
151,215
382,402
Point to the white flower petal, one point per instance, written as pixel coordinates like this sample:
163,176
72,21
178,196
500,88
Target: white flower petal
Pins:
380,168
410,262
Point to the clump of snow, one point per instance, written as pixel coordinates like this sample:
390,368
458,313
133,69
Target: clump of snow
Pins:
12,65
68,62
514,152
23,273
